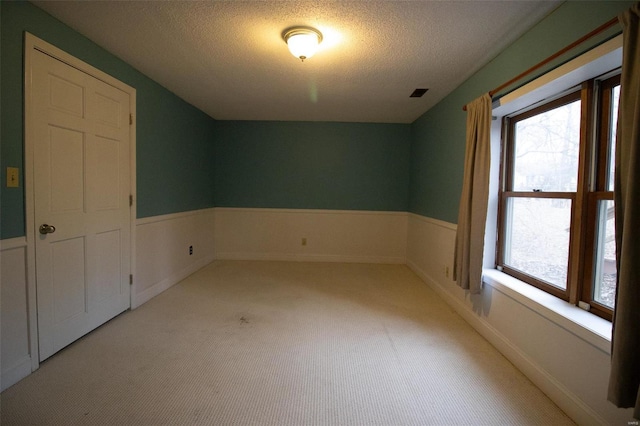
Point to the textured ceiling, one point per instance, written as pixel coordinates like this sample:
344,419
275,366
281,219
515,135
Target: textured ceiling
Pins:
228,58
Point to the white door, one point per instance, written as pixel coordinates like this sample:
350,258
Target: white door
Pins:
81,201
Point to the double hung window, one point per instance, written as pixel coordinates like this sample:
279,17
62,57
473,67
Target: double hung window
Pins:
556,222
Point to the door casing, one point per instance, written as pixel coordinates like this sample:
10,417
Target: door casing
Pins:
31,44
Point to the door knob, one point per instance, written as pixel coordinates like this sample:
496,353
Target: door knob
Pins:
47,229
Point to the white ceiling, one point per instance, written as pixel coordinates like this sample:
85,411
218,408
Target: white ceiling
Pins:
228,58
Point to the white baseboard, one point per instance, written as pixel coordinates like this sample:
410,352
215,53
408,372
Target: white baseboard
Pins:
296,257
565,399
14,374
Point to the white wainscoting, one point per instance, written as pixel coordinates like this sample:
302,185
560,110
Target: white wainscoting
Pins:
331,235
16,354
162,250
571,370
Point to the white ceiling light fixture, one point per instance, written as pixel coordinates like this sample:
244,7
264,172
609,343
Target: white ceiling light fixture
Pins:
303,42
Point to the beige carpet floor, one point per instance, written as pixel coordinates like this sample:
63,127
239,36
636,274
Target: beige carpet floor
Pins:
279,343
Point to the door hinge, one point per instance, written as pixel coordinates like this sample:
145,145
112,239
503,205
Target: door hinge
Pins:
130,279
130,119
130,200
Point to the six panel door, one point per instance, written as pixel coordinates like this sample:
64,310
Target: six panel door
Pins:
81,189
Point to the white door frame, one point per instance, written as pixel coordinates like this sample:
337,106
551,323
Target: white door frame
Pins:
31,44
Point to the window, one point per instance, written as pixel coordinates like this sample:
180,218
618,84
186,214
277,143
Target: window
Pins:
556,222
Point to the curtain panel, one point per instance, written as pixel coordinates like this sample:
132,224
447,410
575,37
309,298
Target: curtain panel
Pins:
624,381
472,216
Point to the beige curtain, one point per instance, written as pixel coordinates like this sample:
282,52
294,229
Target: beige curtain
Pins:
467,262
624,382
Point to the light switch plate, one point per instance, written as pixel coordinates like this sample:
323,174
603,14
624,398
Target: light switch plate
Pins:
12,177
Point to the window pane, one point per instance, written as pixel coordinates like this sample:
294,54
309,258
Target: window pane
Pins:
537,238
615,99
604,289
546,150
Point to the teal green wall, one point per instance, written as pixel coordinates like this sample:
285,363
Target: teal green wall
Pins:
344,166
174,139
350,166
438,136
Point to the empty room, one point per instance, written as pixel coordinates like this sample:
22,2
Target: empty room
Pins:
298,213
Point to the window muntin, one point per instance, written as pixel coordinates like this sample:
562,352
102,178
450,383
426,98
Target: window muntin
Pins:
556,224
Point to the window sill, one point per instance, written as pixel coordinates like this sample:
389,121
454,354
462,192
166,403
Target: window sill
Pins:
587,326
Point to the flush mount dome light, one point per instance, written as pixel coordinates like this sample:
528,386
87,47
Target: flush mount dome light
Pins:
302,41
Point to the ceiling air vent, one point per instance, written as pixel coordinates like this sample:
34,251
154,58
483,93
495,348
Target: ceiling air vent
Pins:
418,93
